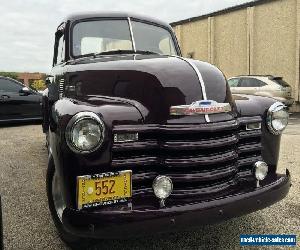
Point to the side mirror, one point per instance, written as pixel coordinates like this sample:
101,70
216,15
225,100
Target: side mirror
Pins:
49,80
25,91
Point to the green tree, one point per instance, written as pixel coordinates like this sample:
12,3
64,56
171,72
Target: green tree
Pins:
12,75
38,85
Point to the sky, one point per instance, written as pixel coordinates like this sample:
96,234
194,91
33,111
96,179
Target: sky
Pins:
27,26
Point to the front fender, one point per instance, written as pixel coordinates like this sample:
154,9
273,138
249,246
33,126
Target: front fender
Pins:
69,164
250,105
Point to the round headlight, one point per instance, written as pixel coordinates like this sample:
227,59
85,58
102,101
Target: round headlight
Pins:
162,186
85,132
260,170
277,118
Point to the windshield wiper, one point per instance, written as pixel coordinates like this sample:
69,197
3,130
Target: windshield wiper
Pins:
121,51
112,52
147,52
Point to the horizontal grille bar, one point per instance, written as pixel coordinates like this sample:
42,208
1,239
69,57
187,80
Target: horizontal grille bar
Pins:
196,160
191,192
191,176
245,174
248,161
249,134
177,144
249,147
201,159
178,129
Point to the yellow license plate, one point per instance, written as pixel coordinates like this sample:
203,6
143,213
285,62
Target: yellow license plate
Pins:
103,189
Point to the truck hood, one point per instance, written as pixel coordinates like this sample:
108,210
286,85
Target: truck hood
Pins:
151,83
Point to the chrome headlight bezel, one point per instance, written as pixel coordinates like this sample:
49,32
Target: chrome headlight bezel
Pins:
86,115
276,107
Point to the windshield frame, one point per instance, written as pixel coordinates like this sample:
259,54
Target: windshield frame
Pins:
128,19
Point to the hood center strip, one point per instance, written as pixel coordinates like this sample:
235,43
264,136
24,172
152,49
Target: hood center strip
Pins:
200,78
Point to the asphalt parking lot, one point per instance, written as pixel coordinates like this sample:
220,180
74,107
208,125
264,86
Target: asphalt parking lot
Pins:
27,222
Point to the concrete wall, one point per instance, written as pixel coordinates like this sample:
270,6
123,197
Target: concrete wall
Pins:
230,42
274,41
197,43
262,39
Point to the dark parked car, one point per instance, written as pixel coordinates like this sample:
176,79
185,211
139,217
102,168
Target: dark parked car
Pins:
18,102
142,140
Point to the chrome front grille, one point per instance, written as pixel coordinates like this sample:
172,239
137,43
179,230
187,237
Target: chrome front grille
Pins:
203,160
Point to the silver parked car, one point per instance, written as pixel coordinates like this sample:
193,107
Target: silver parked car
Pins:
263,85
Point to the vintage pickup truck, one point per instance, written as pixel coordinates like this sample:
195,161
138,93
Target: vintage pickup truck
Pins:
142,140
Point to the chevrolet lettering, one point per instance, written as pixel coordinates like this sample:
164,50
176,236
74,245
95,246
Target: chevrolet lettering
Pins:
200,107
142,140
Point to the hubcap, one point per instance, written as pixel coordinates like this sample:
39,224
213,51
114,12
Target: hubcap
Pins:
57,197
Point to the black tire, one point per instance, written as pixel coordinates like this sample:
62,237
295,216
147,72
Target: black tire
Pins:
72,241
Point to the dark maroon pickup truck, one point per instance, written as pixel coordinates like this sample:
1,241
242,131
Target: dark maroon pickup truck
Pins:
142,140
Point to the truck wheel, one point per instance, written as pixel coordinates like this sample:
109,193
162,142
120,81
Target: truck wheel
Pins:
73,241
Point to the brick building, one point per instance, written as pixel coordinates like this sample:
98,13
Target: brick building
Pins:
26,78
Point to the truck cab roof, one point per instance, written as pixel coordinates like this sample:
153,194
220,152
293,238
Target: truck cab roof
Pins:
113,14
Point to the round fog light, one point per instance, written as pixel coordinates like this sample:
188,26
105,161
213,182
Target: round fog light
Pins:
260,170
162,187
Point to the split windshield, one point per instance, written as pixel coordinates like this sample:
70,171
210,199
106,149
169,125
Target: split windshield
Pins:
102,36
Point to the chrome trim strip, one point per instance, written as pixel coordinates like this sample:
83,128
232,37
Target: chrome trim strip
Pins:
257,123
131,34
136,137
200,80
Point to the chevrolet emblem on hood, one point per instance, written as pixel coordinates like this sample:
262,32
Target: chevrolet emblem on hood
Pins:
203,107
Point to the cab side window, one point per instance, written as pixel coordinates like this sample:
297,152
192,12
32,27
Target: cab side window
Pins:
60,50
9,86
